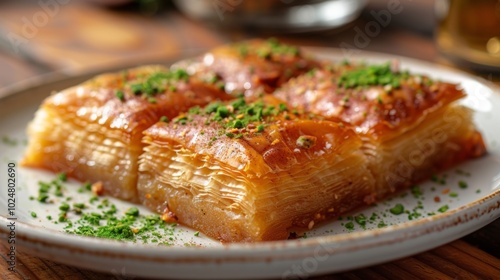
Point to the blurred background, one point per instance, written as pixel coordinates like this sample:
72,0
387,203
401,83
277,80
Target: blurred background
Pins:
74,36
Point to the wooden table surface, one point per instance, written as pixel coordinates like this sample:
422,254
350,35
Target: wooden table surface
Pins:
79,38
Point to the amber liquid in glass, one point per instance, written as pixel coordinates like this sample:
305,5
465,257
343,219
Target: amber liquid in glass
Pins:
469,32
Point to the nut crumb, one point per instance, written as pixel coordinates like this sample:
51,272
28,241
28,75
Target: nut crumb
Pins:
306,141
97,188
168,216
310,225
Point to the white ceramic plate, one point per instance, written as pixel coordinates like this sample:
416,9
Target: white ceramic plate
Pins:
328,248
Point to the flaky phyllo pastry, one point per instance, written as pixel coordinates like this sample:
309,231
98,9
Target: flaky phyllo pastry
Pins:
287,153
250,172
415,125
93,131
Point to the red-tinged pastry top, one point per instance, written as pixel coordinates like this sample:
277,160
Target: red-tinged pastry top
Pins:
379,100
251,67
258,138
134,99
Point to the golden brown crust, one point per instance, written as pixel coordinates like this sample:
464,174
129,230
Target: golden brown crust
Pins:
381,110
255,153
251,67
93,131
97,101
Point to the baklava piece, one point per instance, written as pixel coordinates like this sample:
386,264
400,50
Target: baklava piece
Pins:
93,131
252,171
416,125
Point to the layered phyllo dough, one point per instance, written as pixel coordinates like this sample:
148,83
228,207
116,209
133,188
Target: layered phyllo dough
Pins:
242,171
93,131
415,123
252,68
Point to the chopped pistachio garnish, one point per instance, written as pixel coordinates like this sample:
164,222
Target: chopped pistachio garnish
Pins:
136,89
44,187
271,47
237,118
222,112
79,205
311,72
397,209
62,218
443,208
349,226
381,224
361,220
264,53
243,49
134,211
306,141
120,95
439,180
181,119
195,110
42,197
462,184
62,177
416,191
282,49
282,108
379,100
158,82
9,141
372,75
220,85
106,224
64,207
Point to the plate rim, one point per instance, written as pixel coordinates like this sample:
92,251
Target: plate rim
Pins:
55,235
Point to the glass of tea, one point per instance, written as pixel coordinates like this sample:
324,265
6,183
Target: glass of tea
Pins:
468,32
